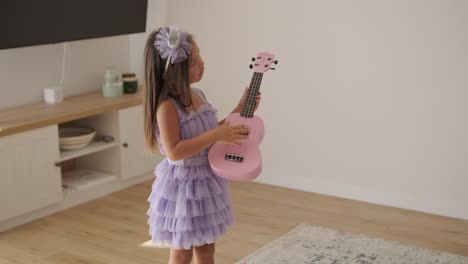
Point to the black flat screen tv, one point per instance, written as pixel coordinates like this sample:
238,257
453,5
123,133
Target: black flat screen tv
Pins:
36,22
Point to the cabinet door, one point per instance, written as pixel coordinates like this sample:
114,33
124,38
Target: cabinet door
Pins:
135,160
29,179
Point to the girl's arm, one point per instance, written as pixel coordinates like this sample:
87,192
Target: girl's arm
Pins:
177,149
240,105
236,110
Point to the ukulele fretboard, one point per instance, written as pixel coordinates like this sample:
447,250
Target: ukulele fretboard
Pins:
250,101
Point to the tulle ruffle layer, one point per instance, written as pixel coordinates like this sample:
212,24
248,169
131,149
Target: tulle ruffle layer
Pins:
189,206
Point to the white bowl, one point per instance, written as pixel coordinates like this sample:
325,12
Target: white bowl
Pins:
75,137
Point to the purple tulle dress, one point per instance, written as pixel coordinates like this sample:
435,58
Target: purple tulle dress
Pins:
189,204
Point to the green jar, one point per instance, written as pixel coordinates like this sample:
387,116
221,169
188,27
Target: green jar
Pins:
130,84
112,89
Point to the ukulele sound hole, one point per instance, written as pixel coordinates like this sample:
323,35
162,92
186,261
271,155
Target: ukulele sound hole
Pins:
232,157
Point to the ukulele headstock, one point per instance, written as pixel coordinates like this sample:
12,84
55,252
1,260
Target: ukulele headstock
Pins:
262,62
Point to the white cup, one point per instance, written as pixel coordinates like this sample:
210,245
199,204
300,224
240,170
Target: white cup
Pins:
53,95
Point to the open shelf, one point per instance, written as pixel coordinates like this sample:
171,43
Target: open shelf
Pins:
82,185
82,179
92,147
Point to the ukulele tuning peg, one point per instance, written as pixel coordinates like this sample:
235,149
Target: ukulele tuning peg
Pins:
251,66
253,58
272,68
275,61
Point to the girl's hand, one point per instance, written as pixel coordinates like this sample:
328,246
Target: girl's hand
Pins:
241,104
231,134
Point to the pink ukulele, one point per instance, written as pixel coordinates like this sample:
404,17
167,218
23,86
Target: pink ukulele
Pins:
244,162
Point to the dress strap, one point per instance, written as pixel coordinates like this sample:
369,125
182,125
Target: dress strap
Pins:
181,111
200,94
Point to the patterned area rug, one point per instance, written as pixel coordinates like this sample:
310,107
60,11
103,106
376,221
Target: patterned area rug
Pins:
317,245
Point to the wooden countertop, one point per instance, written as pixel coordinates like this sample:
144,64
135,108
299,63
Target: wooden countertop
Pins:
27,117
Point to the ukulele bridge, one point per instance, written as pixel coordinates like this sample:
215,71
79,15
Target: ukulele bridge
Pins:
232,157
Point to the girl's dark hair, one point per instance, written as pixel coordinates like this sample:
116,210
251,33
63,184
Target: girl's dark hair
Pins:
160,85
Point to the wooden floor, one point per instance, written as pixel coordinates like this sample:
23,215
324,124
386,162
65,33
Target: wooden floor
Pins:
111,229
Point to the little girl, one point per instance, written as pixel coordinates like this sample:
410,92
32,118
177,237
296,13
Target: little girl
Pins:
189,205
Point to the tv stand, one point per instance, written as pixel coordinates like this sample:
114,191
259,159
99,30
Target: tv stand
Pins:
38,179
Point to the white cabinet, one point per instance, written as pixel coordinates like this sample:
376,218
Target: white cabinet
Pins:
37,178
134,159
29,179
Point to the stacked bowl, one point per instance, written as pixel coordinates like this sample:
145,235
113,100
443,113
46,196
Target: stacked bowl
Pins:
71,138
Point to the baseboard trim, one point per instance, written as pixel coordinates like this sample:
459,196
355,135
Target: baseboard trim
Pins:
448,208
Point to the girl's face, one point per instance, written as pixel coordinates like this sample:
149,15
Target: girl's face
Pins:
196,64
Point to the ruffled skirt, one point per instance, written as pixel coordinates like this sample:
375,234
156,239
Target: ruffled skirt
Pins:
189,206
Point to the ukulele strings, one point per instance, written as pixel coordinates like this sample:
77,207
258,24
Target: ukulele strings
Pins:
248,111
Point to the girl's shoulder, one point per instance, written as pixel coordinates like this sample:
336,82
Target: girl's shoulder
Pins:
168,107
167,104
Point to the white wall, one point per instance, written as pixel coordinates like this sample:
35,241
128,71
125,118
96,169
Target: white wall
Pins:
368,101
156,18
25,72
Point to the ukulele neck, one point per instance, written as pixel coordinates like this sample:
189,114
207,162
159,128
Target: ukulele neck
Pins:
250,100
